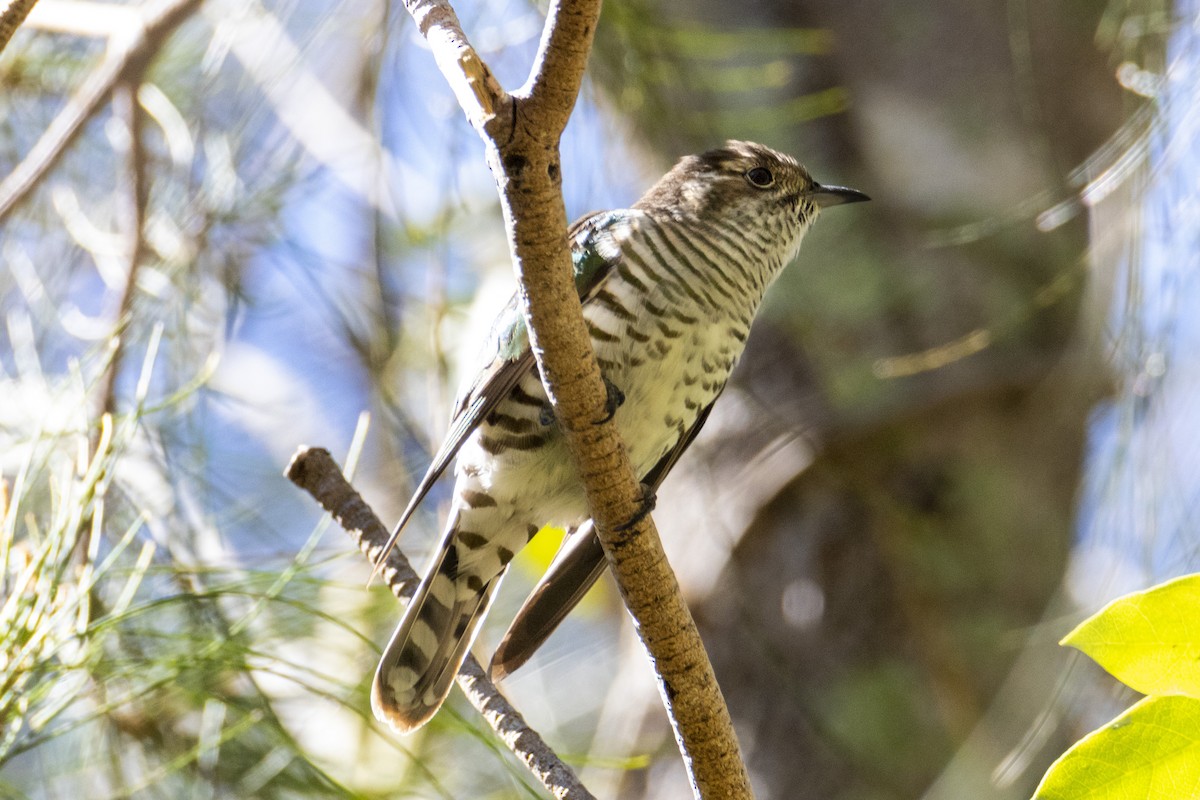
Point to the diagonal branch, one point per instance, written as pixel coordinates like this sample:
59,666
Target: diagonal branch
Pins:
128,55
523,154
315,471
479,93
11,17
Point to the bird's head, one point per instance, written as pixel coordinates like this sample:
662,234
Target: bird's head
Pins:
744,183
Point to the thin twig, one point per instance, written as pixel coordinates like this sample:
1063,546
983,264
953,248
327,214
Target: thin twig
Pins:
315,471
132,212
128,56
131,200
522,134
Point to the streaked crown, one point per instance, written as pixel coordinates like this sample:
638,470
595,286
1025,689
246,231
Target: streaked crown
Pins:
738,179
762,197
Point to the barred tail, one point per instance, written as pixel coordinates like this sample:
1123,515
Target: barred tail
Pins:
430,643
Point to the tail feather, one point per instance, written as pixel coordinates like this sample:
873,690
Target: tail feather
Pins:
429,644
576,568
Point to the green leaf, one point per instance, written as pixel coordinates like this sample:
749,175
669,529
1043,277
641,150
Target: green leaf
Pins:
1148,640
1151,752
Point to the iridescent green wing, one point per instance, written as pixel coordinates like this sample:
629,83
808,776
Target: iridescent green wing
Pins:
594,252
509,355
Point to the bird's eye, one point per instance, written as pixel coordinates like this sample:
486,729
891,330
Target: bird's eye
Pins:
760,177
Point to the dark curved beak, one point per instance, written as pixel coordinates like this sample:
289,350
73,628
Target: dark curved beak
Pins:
826,196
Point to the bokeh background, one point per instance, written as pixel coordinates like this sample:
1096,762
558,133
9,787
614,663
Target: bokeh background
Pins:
965,417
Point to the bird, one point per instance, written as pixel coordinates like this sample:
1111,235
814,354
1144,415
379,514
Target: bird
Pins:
669,289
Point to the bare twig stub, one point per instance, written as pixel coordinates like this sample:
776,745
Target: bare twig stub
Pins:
315,471
522,132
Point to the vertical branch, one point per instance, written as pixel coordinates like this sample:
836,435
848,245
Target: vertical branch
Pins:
131,215
557,73
131,211
522,134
